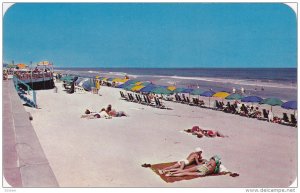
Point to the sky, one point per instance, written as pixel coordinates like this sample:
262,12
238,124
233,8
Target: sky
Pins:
146,35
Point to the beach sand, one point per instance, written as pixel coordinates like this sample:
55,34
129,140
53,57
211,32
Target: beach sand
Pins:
110,152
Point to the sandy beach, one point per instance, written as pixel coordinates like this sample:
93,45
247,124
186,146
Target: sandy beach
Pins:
110,152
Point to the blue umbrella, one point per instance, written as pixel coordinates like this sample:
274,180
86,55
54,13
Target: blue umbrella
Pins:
127,83
187,90
148,88
208,94
290,105
252,99
197,91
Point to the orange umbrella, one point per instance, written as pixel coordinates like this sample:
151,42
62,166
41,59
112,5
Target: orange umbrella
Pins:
21,66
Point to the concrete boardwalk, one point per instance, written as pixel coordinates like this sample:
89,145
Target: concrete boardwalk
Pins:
24,161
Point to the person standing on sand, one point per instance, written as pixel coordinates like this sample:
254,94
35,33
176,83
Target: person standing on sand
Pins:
194,157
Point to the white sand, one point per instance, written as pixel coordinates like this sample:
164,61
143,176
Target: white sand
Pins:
110,152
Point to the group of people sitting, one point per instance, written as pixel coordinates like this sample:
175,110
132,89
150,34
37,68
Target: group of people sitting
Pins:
107,113
201,166
237,108
196,130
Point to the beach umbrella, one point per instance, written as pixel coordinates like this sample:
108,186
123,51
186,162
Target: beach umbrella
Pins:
127,83
121,80
272,102
197,91
87,84
221,95
137,87
11,66
67,78
172,88
208,94
145,83
252,99
178,90
21,66
187,90
148,88
129,87
234,96
290,105
138,83
161,90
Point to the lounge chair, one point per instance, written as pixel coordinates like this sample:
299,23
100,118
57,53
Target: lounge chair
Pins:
179,99
149,102
185,99
265,116
285,119
195,102
123,96
80,90
293,120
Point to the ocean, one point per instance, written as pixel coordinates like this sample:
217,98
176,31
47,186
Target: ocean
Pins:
263,82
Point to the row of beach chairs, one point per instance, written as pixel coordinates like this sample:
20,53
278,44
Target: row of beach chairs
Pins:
143,99
232,108
186,100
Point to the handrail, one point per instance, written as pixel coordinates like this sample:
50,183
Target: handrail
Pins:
17,81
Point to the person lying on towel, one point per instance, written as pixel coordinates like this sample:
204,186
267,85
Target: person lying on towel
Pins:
210,167
193,158
93,115
203,132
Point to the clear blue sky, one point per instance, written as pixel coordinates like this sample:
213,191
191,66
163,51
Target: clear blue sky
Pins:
152,35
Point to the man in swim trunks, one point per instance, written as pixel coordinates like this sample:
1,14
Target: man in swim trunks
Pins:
194,157
213,166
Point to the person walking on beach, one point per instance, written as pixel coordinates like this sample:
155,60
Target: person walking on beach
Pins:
212,166
193,158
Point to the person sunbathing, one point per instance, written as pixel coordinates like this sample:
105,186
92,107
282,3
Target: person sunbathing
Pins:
202,132
114,113
94,115
210,167
193,158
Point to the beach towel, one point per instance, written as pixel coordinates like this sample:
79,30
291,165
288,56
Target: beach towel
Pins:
171,179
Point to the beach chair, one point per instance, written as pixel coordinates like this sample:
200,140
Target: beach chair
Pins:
80,90
285,119
219,106
145,99
265,115
139,99
184,99
130,97
178,98
149,102
123,96
201,103
158,104
195,102
293,120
